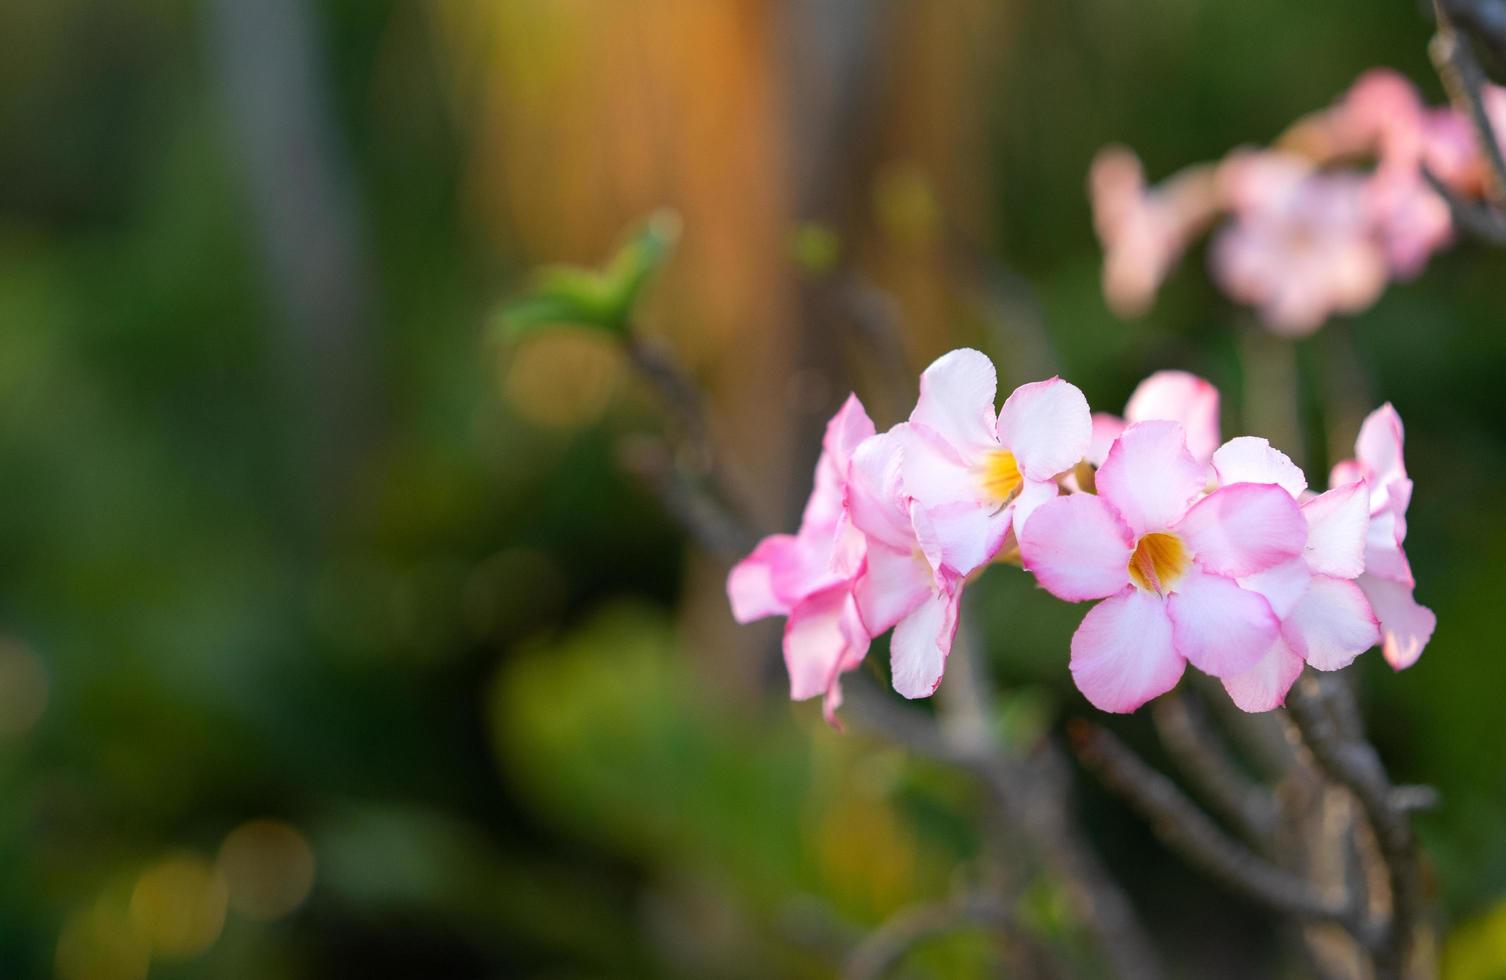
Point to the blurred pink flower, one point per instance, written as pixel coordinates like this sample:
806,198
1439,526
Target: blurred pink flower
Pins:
1326,621
1406,627
975,473
1171,396
1144,231
1166,564
808,577
1301,246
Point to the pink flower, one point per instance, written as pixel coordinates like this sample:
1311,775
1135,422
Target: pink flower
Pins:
1171,396
1326,621
976,474
808,577
1387,581
1301,247
1166,564
1144,231
904,583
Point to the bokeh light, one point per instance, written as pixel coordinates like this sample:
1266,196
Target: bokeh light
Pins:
179,905
102,942
23,689
268,867
563,379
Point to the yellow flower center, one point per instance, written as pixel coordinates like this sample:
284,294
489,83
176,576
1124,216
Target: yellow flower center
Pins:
1001,476
1159,562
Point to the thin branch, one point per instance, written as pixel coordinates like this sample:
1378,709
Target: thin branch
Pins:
1484,19
1465,81
1182,827
1197,749
884,948
1033,794
1473,216
656,363
699,513
1353,763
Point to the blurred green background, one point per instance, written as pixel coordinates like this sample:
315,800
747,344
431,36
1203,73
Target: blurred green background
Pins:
335,642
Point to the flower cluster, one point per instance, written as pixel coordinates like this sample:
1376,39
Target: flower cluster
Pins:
1218,555
1313,226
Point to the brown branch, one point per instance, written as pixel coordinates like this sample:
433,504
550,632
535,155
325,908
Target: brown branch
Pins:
1474,217
1185,829
884,948
1454,58
1198,751
711,523
1313,704
1033,795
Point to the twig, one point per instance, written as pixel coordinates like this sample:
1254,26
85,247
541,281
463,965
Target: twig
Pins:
1354,764
1465,80
1472,216
1484,19
876,955
713,525
1196,748
655,361
1181,826
1033,796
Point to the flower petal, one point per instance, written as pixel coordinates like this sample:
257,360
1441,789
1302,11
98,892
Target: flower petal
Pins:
1149,477
1046,424
957,401
847,429
1379,446
1331,624
892,584
1248,459
874,494
1223,629
1243,529
1077,548
1406,627
1122,654
969,536
931,470
1033,493
1177,396
1106,428
821,638
1336,526
1264,686
921,642
1282,585
751,583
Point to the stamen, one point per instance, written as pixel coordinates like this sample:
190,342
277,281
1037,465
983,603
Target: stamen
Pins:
1159,562
1001,476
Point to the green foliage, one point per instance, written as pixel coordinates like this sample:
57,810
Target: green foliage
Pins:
603,299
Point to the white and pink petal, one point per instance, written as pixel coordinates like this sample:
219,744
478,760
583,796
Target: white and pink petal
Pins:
1221,628
1244,529
1123,654
1048,427
1149,477
1077,548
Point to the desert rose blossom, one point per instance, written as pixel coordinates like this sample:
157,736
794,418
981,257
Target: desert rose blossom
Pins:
808,577
1166,564
904,583
1170,396
1302,245
1326,620
977,473
1144,231
1387,581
